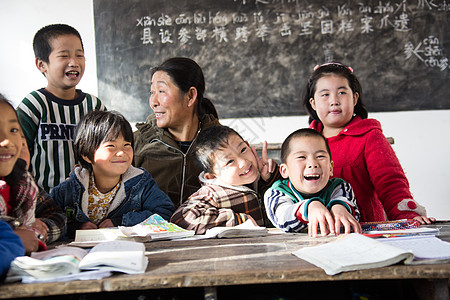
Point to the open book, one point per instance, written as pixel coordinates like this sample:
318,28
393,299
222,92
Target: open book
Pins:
152,228
246,229
88,238
156,228
356,252
427,249
120,256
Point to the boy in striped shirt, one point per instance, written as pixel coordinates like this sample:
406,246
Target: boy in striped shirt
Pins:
307,197
49,115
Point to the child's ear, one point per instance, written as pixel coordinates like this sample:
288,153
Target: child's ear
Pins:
41,65
331,168
284,171
86,159
355,98
210,176
313,103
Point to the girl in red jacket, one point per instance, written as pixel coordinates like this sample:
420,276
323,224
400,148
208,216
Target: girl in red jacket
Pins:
361,153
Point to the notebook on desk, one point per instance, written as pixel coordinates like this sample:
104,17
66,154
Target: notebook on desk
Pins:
356,252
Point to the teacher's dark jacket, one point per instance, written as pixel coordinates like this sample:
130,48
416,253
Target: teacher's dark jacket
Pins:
156,151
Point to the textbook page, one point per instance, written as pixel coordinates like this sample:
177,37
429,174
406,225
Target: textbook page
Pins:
90,237
246,229
426,249
46,264
353,252
66,263
121,256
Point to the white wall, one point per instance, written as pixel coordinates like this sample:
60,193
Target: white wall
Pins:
421,141
19,21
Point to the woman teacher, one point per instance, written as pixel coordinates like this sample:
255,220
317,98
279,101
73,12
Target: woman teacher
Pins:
164,144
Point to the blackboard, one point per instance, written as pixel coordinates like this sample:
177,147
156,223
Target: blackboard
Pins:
257,54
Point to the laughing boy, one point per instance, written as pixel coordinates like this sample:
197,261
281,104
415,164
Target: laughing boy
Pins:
49,115
307,197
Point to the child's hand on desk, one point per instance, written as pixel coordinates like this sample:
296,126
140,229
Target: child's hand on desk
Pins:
88,225
265,166
42,228
253,220
318,215
425,220
106,223
343,217
29,239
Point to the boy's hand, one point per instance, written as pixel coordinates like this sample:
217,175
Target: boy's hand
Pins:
318,215
88,225
253,220
106,223
42,228
265,166
343,217
29,239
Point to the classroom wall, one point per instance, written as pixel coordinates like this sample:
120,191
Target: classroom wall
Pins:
421,141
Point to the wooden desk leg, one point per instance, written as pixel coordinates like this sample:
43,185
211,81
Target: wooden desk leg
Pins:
210,293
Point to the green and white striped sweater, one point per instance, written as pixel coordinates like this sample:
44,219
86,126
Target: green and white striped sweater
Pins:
49,127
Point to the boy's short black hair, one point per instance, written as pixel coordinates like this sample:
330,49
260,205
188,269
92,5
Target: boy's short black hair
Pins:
303,132
97,127
41,42
210,140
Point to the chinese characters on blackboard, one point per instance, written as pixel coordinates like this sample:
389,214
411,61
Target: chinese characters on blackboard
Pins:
258,54
221,27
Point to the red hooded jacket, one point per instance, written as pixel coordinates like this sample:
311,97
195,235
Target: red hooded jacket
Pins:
364,158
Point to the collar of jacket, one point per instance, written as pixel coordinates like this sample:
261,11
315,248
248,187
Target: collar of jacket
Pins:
241,188
150,131
357,126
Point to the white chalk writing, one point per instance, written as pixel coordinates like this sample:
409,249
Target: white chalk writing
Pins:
428,51
328,20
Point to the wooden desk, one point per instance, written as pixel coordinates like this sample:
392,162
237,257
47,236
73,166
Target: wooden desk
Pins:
231,267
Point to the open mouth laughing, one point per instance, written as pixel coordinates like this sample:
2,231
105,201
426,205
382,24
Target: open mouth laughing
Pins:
73,74
312,177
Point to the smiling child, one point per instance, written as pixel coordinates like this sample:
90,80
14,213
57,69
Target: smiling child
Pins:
49,115
233,179
333,97
107,191
307,196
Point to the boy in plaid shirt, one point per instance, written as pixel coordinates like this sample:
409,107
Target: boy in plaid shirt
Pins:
233,179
